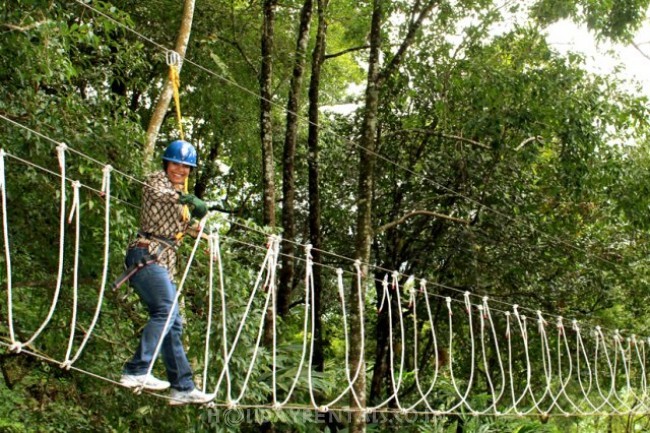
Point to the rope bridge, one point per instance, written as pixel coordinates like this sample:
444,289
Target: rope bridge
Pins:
445,355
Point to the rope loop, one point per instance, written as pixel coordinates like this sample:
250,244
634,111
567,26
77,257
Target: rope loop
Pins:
75,200
339,283
272,240
448,302
60,150
106,179
486,307
411,288
357,267
540,318
384,293
395,280
468,303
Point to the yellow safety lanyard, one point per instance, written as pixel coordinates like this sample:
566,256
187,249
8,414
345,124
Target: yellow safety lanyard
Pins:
173,60
175,79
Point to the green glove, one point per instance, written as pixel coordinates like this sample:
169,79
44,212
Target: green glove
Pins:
199,208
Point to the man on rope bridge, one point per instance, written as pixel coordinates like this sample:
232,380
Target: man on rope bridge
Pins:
151,264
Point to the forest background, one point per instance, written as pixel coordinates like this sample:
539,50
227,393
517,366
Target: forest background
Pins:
484,161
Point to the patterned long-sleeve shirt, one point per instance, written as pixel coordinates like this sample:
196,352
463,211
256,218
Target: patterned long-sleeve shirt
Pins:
161,217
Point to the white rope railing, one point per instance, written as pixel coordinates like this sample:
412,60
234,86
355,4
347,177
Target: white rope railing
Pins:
269,261
416,354
106,190
308,281
5,237
270,288
395,384
493,362
74,213
17,346
213,244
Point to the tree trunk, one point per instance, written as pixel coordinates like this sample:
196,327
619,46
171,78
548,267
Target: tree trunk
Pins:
381,364
208,171
165,97
367,159
363,226
288,181
315,236
266,124
266,136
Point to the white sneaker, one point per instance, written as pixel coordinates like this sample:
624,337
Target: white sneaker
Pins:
189,397
147,382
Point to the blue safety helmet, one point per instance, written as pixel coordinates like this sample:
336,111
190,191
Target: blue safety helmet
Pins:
181,152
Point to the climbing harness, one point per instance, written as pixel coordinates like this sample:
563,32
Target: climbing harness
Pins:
145,260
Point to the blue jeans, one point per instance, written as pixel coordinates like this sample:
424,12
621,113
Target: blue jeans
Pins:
157,292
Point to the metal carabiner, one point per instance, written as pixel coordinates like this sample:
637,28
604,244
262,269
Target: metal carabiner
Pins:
172,58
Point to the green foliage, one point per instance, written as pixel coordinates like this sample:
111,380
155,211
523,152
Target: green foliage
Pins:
617,20
557,154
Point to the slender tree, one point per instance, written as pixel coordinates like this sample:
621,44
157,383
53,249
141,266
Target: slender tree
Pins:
289,155
376,77
315,233
266,123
